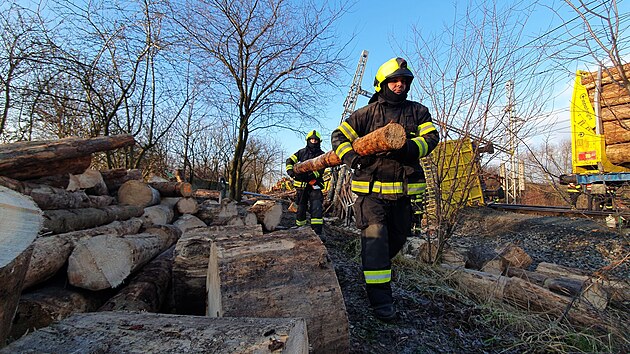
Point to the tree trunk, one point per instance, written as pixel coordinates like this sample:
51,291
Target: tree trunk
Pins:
160,214
617,131
280,274
33,155
187,206
105,261
390,137
20,221
190,265
141,332
47,197
615,113
61,221
173,189
214,213
513,256
187,222
91,181
50,253
116,177
147,290
52,168
138,193
44,306
268,213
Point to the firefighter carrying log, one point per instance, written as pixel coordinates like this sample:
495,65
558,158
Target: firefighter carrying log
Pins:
308,185
386,183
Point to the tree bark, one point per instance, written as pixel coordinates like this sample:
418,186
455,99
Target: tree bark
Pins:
615,113
44,306
20,221
52,168
190,265
268,276
589,78
390,137
618,153
90,180
617,131
105,261
61,221
50,253
147,289
116,177
187,222
173,189
39,154
268,213
141,332
138,193
214,213
160,214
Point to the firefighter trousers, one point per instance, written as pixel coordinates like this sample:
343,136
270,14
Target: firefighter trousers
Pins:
314,198
385,226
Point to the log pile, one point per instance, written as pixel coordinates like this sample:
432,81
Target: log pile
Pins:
109,241
615,111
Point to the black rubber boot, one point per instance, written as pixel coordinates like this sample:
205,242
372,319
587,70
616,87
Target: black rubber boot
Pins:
381,301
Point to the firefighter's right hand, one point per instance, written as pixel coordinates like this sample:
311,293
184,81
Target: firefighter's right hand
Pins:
362,162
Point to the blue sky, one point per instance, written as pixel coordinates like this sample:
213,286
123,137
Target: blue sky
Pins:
380,28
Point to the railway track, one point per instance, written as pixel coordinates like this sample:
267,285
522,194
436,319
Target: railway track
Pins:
558,211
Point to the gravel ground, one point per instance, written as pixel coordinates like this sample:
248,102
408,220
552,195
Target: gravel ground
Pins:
436,322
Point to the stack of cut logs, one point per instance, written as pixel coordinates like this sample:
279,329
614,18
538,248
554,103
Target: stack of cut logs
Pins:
91,252
615,111
556,291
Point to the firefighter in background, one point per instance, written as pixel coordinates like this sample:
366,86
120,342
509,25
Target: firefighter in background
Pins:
574,192
308,185
386,183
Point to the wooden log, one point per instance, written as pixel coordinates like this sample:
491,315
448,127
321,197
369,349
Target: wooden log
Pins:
212,212
146,290
62,221
20,221
188,222
160,214
618,153
142,332
423,250
617,131
557,270
173,189
268,213
485,260
56,167
609,75
513,256
50,253
615,113
390,137
138,193
190,265
40,308
105,261
115,178
47,197
40,154
267,276
187,206
91,181
611,95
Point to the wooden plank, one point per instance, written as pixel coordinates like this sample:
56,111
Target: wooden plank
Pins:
141,332
20,221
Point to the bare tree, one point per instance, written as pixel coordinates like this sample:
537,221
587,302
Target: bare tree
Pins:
265,60
470,75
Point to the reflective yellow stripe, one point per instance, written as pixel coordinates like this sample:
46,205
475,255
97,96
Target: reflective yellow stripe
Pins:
294,158
299,184
360,186
316,174
343,149
300,222
315,221
377,276
425,128
416,188
289,167
347,130
422,146
387,187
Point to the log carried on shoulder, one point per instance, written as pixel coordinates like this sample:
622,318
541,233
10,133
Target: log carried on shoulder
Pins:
390,137
20,221
141,332
34,158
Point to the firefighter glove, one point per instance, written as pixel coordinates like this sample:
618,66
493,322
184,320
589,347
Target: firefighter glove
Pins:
407,153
